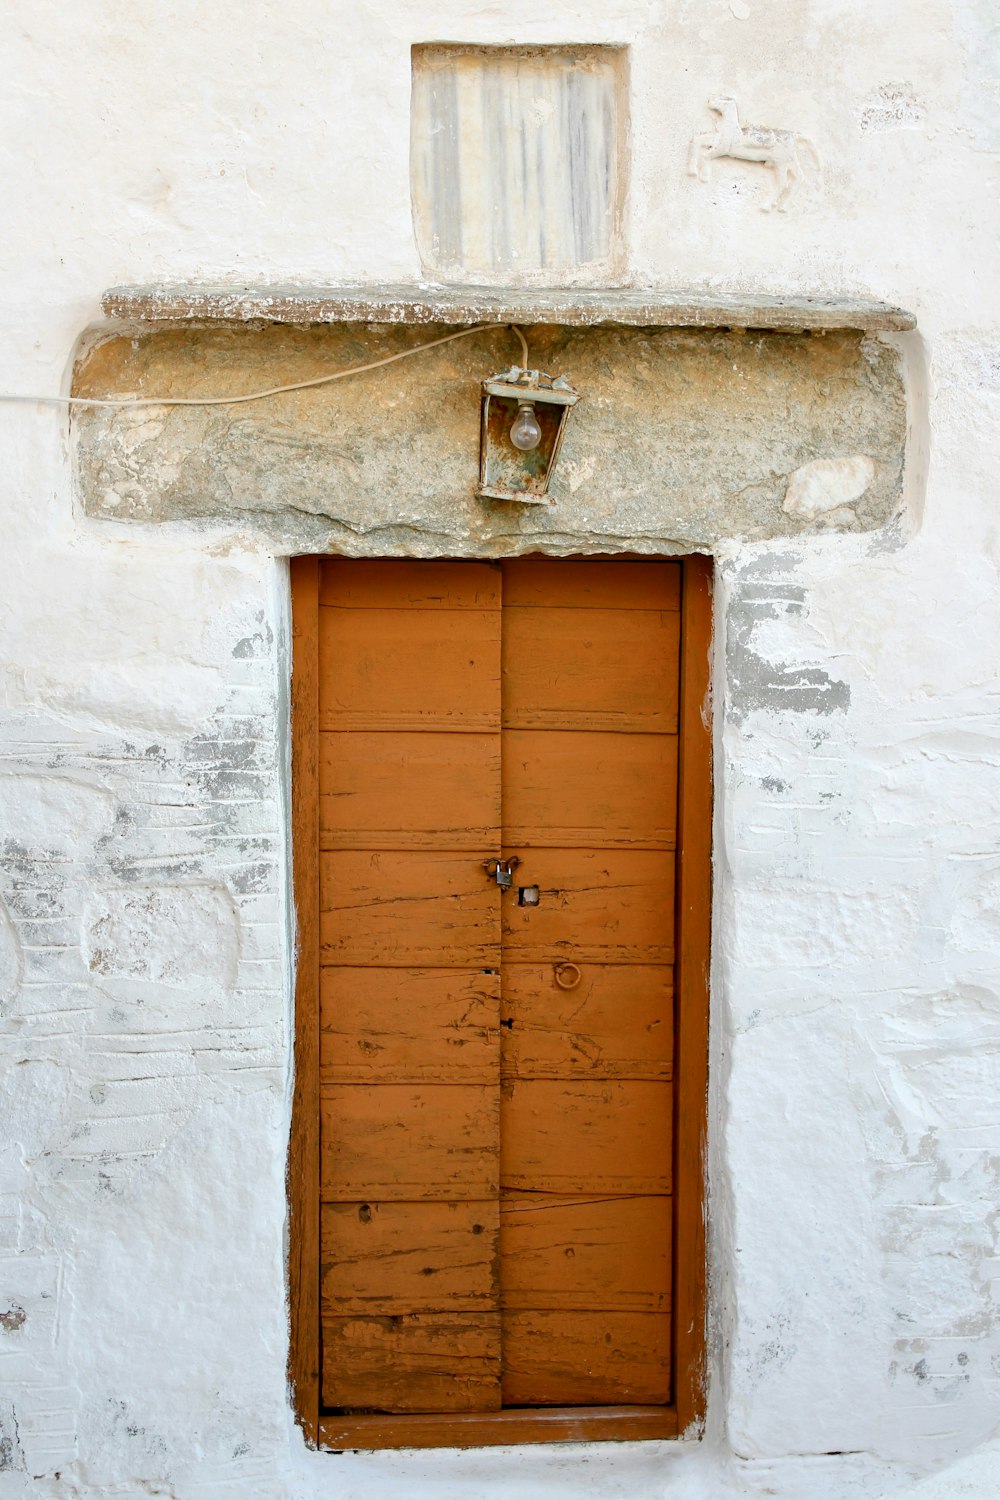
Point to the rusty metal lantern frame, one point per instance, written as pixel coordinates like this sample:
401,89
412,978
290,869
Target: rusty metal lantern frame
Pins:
505,472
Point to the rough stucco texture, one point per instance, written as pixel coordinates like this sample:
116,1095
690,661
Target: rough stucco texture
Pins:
681,438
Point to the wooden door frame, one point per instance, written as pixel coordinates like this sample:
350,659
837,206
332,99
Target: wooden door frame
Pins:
686,1412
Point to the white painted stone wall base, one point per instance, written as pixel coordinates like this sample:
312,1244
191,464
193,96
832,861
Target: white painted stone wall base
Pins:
145,957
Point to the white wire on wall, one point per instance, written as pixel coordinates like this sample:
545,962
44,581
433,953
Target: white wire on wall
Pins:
276,390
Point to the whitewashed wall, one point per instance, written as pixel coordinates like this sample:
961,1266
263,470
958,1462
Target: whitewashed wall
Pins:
856,1001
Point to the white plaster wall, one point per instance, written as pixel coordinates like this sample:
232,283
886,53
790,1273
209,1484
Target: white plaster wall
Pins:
144,957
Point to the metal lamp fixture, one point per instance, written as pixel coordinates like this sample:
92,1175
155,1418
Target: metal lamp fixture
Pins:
523,422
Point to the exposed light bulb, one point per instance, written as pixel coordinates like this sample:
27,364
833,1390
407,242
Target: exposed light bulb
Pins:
525,434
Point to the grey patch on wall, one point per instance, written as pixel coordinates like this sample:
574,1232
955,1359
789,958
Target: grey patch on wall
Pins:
892,106
759,685
253,646
149,941
683,438
11,1458
11,958
118,1422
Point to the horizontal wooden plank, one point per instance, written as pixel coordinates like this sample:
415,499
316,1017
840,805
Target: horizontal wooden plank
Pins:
602,1138
563,1358
616,1023
408,1141
408,1257
610,791
409,790
409,583
552,1424
418,1362
408,908
595,906
613,669
585,1253
387,669
409,1025
586,582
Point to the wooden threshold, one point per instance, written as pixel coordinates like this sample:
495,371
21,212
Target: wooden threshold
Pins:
528,1424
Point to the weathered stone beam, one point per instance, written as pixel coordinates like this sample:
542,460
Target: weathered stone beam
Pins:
172,302
682,437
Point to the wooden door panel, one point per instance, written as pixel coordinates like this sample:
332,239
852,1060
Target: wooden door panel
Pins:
390,1258
613,669
585,1358
611,1137
578,1254
595,906
391,669
495,1151
409,1141
381,583
408,908
417,1362
566,788
616,1023
597,583
410,790
409,1025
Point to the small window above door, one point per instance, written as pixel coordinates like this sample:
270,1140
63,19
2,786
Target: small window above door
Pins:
517,163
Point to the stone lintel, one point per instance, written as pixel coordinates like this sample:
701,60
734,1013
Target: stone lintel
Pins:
682,437
183,302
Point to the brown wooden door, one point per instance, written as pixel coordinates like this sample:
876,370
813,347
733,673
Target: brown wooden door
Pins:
409,698
590,656
495,1065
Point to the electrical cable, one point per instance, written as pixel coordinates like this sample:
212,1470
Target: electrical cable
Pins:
277,390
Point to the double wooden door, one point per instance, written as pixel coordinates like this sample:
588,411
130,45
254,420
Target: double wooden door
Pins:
497,779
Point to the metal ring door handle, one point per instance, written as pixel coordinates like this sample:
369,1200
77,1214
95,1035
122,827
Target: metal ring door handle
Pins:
566,975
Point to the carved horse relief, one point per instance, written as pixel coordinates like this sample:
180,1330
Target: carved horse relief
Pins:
782,150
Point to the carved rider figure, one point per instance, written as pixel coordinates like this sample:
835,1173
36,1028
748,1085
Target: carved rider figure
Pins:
783,150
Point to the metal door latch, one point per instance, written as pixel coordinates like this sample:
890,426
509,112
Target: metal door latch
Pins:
502,870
